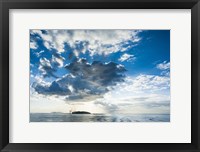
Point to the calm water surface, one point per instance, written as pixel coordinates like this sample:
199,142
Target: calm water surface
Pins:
66,117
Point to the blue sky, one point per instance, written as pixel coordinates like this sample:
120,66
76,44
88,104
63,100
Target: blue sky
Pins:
83,67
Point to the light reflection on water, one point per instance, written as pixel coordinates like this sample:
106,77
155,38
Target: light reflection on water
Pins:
66,117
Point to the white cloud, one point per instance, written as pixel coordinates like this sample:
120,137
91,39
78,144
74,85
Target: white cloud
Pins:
163,66
46,68
142,84
127,57
40,80
165,73
45,62
38,54
47,45
95,41
58,60
150,83
141,94
33,45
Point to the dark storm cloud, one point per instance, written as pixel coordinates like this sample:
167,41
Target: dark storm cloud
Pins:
53,89
84,79
100,73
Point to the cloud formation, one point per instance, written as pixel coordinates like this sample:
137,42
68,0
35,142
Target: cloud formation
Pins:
101,42
57,60
102,74
163,66
150,82
33,45
46,68
38,54
140,94
84,79
127,57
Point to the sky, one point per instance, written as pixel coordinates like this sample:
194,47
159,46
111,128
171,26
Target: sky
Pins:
100,71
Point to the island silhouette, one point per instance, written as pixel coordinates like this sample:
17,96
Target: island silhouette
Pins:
80,112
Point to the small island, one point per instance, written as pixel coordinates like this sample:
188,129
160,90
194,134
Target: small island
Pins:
80,112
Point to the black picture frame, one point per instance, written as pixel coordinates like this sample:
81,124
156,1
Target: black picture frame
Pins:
5,5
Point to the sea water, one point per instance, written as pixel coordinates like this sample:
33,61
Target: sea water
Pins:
67,117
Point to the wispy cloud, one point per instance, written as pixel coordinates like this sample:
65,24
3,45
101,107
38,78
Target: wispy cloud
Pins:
163,66
141,94
127,57
38,54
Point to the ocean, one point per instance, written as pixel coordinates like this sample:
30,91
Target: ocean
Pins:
67,117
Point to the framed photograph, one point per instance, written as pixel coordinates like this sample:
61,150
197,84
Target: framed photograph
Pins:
99,75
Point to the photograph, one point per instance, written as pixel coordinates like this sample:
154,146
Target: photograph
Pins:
99,75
